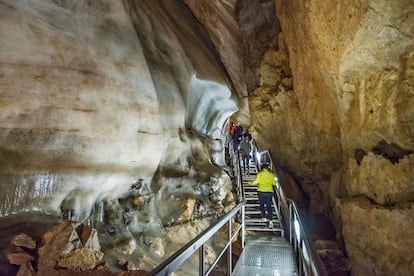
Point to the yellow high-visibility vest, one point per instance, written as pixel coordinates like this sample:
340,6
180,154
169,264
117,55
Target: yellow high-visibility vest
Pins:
264,181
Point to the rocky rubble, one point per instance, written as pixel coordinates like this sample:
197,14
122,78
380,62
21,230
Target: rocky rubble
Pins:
70,248
73,248
333,257
70,245
23,254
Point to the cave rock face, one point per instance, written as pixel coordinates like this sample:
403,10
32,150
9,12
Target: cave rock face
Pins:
339,119
330,90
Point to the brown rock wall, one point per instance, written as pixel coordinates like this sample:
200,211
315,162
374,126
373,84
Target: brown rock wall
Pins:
379,180
341,121
379,240
219,20
352,64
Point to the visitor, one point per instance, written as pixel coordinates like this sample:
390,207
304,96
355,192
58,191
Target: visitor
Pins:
249,135
245,149
265,181
238,131
231,128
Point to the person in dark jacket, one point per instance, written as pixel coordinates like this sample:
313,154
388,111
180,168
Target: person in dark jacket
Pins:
238,131
248,134
245,149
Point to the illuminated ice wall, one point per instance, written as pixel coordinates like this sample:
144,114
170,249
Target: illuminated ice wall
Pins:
96,95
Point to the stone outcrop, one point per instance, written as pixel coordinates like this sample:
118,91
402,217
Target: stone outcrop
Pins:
218,19
378,239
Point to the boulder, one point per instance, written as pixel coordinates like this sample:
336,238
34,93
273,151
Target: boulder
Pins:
23,240
70,245
81,259
19,258
26,269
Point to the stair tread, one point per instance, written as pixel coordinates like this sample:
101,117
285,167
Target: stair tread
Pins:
265,229
263,224
253,220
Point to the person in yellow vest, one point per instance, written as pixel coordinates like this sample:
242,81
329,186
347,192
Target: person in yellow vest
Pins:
265,180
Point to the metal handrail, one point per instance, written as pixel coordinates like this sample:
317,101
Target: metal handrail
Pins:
309,263
174,261
237,172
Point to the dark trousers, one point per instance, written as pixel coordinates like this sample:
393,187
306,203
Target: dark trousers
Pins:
265,200
246,158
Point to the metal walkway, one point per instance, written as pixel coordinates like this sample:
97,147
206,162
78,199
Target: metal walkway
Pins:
266,252
266,255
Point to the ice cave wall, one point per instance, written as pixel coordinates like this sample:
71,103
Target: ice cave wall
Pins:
98,94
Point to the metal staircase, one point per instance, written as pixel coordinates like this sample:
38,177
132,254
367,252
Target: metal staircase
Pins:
265,251
253,220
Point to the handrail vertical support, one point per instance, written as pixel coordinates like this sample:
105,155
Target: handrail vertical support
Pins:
201,259
300,266
229,254
291,221
243,228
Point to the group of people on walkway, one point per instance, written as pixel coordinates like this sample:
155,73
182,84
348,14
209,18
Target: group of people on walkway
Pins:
265,180
242,142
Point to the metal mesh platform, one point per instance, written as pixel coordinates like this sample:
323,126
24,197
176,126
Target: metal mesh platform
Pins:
266,257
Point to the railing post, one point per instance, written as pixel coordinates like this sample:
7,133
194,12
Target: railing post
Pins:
229,254
279,198
201,260
243,227
290,223
300,258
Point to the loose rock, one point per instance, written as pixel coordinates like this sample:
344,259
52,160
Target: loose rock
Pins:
26,270
81,259
23,240
19,258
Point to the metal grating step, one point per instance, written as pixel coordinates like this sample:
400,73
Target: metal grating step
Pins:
259,221
266,229
252,213
266,259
